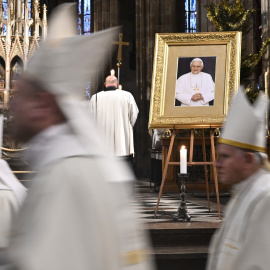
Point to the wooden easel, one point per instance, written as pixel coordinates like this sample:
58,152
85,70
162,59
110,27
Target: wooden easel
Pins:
191,163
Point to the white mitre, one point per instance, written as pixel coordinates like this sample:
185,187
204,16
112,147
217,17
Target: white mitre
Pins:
63,65
245,126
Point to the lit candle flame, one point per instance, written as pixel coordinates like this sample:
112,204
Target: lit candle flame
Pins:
112,72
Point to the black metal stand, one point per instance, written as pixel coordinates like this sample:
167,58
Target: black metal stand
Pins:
182,209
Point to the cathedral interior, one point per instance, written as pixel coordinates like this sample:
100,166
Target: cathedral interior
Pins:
139,21
23,25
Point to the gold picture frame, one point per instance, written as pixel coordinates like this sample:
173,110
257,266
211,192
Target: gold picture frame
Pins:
170,49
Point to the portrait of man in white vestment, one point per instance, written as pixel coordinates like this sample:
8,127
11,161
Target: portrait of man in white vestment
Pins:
195,87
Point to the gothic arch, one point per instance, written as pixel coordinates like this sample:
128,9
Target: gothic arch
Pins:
33,46
16,49
2,72
2,50
16,68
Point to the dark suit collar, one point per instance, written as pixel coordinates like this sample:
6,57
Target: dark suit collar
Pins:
110,88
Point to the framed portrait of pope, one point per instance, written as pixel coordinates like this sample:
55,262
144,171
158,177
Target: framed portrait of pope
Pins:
195,77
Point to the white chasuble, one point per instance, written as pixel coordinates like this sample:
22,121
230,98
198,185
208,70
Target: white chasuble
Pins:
189,84
73,218
115,113
9,207
12,195
243,241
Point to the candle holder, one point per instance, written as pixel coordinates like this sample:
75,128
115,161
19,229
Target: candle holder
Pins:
182,209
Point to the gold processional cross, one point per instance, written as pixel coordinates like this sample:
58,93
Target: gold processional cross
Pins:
120,44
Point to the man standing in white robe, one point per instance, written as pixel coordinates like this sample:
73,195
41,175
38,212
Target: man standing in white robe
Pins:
195,88
115,112
76,215
243,241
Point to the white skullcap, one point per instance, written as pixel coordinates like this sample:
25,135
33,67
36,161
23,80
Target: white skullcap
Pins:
196,59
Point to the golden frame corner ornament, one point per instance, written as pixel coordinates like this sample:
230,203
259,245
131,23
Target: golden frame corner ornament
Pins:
224,48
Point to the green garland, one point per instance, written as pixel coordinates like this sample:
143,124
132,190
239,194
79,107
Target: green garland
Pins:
231,15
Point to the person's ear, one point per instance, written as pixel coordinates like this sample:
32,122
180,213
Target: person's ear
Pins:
249,157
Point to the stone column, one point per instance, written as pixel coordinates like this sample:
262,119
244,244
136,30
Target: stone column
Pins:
265,13
203,24
152,17
105,16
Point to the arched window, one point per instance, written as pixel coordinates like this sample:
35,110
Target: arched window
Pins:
84,20
4,2
5,8
191,23
30,8
5,12
85,27
29,2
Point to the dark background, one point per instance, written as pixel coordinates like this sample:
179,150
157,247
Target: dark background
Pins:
209,63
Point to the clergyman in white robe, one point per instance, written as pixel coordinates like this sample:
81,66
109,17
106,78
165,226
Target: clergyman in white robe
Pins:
77,214
115,113
189,84
71,219
243,242
12,195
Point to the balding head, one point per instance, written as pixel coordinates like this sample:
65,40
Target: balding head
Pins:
111,81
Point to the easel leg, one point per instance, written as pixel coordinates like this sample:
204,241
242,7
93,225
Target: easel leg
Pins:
191,146
214,169
165,171
205,168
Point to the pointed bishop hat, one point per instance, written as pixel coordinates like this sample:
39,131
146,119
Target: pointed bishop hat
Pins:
63,65
245,126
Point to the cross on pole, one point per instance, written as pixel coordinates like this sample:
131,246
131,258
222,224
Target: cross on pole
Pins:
120,44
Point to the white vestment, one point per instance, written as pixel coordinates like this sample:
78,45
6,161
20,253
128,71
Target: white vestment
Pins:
9,207
115,112
12,194
243,241
72,218
186,87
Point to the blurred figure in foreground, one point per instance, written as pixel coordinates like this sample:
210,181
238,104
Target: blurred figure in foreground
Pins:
243,241
115,112
76,215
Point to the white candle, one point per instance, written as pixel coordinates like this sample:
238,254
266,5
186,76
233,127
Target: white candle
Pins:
112,72
266,83
120,87
183,159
